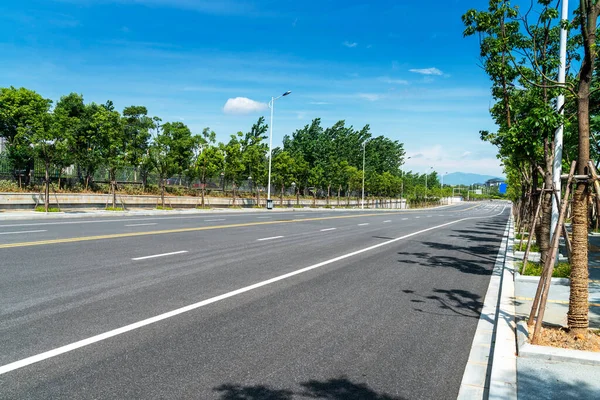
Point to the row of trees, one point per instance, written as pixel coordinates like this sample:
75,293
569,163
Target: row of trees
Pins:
91,136
520,53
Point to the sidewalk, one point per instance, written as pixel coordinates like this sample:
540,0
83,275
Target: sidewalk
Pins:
545,372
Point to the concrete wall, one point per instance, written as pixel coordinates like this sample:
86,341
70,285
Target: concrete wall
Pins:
27,201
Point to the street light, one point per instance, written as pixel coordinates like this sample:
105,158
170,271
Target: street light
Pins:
402,176
426,181
271,106
362,205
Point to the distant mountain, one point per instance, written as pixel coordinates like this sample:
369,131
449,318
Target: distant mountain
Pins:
462,178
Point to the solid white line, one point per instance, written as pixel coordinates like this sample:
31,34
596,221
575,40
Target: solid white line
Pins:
269,238
404,219
328,229
127,328
12,233
214,220
366,223
263,217
417,217
159,255
152,223
389,220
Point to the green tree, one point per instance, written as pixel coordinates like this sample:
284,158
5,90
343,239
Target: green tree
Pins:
23,113
137,125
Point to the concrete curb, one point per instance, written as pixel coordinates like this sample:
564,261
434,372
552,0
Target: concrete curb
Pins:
553,281
491,370
528,350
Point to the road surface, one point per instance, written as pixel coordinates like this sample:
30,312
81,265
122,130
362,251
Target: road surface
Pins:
262,305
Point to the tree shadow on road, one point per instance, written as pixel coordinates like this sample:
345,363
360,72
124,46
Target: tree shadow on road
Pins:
340,388
457,302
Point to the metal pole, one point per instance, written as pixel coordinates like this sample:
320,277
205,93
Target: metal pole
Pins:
560,101
272,105
362,205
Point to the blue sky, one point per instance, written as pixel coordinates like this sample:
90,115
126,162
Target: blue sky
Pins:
400,66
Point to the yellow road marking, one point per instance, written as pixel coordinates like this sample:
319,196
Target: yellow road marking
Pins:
179,230
554,301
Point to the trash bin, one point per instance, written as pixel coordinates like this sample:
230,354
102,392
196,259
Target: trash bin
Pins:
269,204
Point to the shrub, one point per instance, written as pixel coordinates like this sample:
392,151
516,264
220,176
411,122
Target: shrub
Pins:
50,209
9,186
562,270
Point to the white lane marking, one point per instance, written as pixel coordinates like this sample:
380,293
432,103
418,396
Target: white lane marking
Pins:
328,229
13,233
298,215
151,223
417,217
366,223
404,219
136,325
389,220
214,220
263,217
429,216
159,255
270,238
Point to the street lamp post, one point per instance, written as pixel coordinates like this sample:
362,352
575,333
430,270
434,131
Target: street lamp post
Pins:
362,204
402,176
426,172
271,106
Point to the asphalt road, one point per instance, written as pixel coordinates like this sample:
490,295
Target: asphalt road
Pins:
329,304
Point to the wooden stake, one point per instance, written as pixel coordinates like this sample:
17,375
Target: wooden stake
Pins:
537,213
549,267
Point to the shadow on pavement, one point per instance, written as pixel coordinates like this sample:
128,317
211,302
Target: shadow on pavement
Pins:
333,389
471,251
456,302
543,383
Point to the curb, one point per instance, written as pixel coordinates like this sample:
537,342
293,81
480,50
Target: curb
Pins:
528,350
491,370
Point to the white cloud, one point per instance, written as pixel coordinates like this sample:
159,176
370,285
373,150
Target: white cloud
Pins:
426,71
392,81
370,96
350,44
318,103
465,154
243,105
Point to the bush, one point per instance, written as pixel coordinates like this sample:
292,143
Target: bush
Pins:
114,209
523,246
562,270
9,186
164,208
50,209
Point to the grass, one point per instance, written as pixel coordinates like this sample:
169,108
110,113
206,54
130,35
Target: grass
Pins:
203,208
525,235
114,209
164,208
535,248
50,209
562,270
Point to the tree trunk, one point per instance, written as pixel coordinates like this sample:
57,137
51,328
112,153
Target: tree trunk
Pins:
233,201
281,196
328,192
297,197
257,196
339,191
546,217
113,184
577,317
47,188
203,186
162,192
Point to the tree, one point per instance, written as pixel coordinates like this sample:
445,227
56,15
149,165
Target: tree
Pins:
163,158
210,159
284,170
109,131
23,112
137,126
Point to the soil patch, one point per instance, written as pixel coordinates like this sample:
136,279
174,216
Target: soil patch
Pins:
556,336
